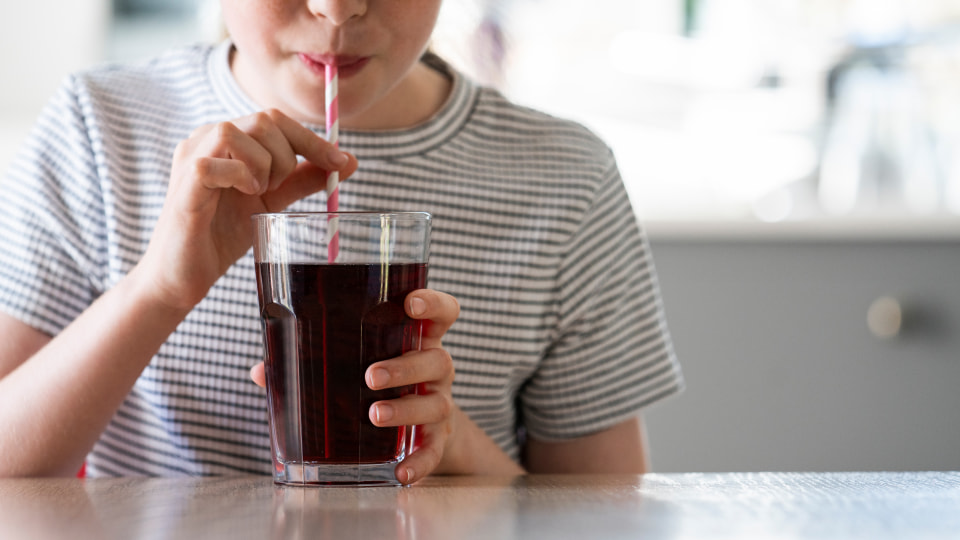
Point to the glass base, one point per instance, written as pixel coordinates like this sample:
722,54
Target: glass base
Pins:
338,474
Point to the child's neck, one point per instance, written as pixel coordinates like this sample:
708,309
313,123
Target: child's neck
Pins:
423,92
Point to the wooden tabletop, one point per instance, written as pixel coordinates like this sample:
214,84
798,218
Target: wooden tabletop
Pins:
732,505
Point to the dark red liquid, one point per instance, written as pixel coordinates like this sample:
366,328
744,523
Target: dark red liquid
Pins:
338,319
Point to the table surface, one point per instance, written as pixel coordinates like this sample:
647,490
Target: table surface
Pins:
722,505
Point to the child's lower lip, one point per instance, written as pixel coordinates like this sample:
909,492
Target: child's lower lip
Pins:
344,70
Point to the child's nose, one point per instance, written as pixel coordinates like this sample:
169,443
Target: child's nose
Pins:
338,11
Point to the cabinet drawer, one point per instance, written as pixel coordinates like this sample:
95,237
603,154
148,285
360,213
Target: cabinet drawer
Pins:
782,370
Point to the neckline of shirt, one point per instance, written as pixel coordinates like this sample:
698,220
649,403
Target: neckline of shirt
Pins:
444,125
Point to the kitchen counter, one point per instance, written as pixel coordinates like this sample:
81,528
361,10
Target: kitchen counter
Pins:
726,505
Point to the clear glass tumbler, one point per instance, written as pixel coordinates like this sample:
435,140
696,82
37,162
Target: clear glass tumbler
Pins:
331,288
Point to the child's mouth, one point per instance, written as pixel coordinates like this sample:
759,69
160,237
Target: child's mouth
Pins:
346,65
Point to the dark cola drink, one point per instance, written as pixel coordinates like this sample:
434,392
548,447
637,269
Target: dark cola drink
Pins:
332,322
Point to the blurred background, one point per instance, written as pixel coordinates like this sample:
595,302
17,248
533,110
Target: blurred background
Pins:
796,162
761,109
765,110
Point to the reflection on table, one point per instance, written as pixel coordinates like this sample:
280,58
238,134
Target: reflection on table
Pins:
733,505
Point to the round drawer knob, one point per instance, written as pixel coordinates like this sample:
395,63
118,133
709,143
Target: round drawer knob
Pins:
885,317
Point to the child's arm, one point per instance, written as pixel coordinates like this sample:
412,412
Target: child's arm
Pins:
55,403
57,396
619,449
471,451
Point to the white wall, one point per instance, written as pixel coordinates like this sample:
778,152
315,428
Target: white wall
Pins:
42,41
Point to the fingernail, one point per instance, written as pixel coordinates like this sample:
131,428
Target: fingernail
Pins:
383,413
338,158
379,378
417,306
406,475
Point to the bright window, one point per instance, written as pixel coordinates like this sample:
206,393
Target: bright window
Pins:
756,109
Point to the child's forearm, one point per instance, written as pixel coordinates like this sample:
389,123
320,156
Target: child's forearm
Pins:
55,405
471,451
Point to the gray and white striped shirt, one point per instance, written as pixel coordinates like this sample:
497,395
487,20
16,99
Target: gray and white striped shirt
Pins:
561,331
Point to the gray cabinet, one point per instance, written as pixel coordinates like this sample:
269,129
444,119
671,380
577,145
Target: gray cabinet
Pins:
783,373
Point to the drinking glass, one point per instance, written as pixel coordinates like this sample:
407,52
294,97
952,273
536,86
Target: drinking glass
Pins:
331,289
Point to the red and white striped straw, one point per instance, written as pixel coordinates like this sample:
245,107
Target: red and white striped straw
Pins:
333,179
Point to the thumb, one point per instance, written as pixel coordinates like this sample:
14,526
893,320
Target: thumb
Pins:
305,180
258,375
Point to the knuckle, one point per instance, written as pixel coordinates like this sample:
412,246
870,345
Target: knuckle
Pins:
282,164
262,166
274,114
402,370
446,406
223,134
433,456
456,305
446,360
182,150
260,124
427,455
224,131
202,167
281,169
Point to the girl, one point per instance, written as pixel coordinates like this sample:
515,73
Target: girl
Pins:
128,318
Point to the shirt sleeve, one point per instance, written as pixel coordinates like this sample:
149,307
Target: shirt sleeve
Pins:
612,355
52,261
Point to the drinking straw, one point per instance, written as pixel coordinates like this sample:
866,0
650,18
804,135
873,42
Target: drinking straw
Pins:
333,179
333,202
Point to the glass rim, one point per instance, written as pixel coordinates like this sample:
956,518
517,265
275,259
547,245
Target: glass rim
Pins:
414,215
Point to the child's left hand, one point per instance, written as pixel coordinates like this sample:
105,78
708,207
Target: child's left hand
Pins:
431,368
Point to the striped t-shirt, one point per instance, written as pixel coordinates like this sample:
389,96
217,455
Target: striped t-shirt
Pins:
561,331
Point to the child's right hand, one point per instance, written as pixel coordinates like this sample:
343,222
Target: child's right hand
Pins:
221,175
